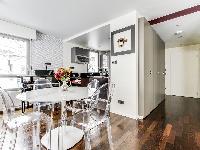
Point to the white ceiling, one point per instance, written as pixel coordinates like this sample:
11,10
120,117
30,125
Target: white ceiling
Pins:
98,39
189,24
65,18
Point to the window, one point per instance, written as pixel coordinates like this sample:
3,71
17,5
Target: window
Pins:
13,61
93,65
13,54
105,62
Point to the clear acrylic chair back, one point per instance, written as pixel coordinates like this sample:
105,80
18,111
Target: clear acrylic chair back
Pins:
92,87
8,109
42,83
101,94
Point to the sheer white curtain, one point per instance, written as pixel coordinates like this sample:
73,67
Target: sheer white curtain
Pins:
13,60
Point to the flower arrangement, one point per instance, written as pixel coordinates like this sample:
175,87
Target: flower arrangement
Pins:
63,74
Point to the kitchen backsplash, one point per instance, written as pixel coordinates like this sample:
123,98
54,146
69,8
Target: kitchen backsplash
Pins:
46,48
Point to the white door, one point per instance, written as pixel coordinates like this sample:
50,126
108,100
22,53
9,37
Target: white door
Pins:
184,71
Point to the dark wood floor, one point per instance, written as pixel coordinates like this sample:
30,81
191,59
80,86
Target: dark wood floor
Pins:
173,125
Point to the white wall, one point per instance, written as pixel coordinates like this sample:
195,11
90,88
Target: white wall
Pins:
183,71
17,30
126,87
79,68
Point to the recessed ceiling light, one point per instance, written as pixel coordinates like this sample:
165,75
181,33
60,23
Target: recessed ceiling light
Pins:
178,32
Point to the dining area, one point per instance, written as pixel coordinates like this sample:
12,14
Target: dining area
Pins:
55,116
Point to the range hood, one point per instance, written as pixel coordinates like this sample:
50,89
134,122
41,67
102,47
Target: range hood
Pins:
79,55
80,59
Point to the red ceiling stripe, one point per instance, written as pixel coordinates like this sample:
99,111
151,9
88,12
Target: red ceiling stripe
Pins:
175,15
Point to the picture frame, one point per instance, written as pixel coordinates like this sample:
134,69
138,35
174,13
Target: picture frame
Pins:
123,41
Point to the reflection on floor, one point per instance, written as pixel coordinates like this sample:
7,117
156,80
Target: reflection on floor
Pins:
173,125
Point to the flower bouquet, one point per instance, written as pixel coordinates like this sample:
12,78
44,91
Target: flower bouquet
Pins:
63,74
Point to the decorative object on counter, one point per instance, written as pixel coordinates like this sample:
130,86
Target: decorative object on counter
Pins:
123,41
63,74
47,64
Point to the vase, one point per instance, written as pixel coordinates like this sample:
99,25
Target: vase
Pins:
64,86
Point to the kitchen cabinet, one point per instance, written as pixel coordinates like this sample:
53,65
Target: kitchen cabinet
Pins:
151,68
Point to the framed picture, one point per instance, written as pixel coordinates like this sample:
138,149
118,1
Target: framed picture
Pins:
123,41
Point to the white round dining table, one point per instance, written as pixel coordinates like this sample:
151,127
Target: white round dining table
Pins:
53,95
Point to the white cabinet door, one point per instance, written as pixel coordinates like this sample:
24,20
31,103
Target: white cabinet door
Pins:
148,71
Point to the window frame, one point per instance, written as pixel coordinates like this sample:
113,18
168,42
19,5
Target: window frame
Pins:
28,43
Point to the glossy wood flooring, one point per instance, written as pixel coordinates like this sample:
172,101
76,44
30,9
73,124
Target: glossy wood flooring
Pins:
177,124
173,125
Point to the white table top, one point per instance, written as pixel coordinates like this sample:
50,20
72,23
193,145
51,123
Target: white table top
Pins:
55,94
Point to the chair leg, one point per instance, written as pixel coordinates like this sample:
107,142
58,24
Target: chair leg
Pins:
38,135
60,137
3,136
49,140
34,136
13,143
51,108
87,140
109,134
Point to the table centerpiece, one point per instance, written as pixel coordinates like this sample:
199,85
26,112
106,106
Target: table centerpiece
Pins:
63,74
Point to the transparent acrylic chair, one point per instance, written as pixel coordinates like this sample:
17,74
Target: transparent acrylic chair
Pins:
42,84
94,114
13,122
92,87
62,137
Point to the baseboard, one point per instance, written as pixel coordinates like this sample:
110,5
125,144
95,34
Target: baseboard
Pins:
140,117
135,117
